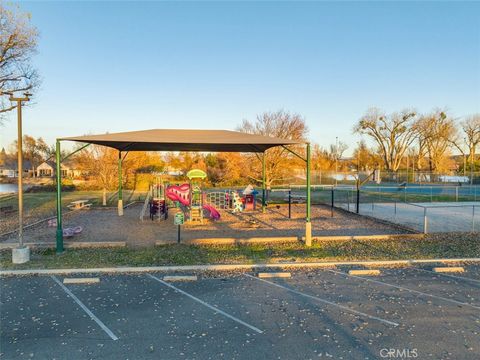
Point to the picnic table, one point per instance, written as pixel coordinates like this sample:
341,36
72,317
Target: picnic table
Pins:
79,204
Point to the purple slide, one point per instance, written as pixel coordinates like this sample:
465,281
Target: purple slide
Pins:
213,212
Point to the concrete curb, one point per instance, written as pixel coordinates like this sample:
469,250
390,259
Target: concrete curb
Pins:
68,245
228,267
257,240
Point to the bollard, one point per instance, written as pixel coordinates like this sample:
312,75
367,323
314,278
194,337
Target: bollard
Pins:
425,221
473,218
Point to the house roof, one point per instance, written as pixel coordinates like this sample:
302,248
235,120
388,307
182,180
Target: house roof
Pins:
13,165
185,140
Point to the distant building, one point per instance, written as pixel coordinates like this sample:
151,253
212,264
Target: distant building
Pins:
10,169
5,171
48,168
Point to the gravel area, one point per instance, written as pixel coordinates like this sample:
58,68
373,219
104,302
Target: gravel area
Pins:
105,225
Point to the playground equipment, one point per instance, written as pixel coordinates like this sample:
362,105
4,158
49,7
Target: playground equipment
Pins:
191,197
249,198
155,202
237,202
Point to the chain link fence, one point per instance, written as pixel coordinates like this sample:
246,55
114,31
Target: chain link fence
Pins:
426,208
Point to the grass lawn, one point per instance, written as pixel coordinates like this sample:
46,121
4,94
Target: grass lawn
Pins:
433,246
47,200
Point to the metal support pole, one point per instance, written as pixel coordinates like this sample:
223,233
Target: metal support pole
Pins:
20,174
308,225
120,189
264,202
290,203
333,200
358,200
425,221
59,234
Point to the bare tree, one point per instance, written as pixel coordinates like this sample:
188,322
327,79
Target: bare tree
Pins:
471,129
393,133
278,161
436,131
337,150
470,137
18,43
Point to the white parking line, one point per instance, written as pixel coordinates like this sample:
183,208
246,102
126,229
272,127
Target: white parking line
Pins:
87,310
448,275
325,301
407,289
217,310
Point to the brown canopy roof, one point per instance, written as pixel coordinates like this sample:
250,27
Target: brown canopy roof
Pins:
185,140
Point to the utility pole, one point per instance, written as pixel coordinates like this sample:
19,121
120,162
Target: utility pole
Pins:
21,254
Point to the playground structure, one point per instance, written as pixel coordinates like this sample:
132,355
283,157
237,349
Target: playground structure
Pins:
190,198
195,203
155,202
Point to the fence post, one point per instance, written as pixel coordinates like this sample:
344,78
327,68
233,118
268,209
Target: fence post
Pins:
425,221
473,218
456,193
290,203
358,201
431,193
333,200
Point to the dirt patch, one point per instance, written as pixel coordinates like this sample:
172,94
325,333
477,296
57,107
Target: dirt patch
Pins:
106,225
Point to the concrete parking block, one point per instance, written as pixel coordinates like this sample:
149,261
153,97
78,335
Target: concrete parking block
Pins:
274,275
451,269
81,280
180,278
372,272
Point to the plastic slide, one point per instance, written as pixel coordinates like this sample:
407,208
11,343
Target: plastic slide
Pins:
179,193
213,212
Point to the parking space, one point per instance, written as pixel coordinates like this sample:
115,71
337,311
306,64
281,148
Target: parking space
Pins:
313,314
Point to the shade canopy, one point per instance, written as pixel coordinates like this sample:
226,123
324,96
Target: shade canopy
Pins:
185,140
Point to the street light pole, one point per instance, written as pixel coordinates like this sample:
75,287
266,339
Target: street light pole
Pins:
22,253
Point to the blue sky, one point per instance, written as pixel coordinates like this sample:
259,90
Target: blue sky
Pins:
120,66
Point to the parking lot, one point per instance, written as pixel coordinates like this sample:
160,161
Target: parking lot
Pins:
323,313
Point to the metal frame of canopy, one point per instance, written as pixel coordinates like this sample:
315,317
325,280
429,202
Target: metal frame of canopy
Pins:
182,140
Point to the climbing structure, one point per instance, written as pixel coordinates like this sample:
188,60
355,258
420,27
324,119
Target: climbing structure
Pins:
196,177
